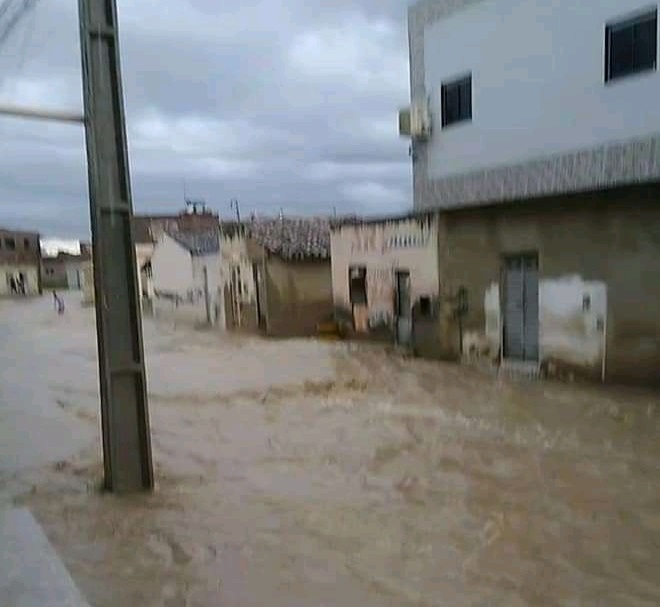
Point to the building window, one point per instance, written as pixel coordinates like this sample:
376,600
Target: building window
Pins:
631,46
26,243
10,243
357,285
456,100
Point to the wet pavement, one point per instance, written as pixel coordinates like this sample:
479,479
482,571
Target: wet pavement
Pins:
301,473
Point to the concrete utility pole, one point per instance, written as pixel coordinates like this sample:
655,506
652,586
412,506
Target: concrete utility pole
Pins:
124,412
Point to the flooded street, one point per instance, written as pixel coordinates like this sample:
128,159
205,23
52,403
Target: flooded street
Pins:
302,473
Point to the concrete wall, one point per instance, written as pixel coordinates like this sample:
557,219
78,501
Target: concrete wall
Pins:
143,253
602,246
88,291
299,296
383,248
234,254
30,271
54,274
171,266
74,275
544,121
212,289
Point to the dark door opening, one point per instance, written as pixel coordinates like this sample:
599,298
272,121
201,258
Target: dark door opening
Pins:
357,290
403,311
257,277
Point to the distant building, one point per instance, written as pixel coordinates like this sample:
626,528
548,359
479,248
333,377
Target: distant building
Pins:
147,229
65,270
275,275
384,271
536,136
292,274
20,263
185,273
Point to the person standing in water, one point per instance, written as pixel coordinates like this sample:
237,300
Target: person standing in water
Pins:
59,303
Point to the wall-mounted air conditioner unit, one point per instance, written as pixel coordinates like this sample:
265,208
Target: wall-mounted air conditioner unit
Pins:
415,121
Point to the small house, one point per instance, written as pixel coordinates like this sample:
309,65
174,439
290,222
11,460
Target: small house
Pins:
185,271
280,282
20,263
385,277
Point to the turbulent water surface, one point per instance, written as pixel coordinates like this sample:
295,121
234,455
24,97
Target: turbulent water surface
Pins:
299,473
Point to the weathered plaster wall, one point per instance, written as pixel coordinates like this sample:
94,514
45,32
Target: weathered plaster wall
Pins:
143,253
31,273
406,244
572,324
171,267
299,296
178,281
234,253
604,244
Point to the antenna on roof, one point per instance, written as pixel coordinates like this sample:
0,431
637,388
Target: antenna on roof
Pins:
233,204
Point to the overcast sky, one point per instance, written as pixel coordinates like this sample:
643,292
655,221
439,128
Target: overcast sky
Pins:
279,103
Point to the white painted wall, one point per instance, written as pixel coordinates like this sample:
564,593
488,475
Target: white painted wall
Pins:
537,81
171,266
567,332
212,265
379,247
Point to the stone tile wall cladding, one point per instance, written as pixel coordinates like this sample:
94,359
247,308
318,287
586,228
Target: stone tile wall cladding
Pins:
610,165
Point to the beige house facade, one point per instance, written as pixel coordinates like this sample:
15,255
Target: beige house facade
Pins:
382,271
20,263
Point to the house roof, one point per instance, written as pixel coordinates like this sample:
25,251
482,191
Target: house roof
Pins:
197,243
293,237
148,228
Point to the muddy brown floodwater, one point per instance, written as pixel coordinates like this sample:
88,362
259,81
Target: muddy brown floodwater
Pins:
299,473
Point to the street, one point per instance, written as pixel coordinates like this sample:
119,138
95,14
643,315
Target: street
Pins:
301,473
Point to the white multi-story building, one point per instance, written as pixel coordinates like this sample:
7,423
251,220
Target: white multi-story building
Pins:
525,98
535,134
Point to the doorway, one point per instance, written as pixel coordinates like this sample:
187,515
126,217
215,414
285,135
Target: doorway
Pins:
403,309
357,288
257,277
521,307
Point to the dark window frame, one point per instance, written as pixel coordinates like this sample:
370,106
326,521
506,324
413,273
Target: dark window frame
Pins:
630,26
10,243
456,100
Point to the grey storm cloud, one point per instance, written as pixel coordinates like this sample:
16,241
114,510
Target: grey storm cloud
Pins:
281,104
